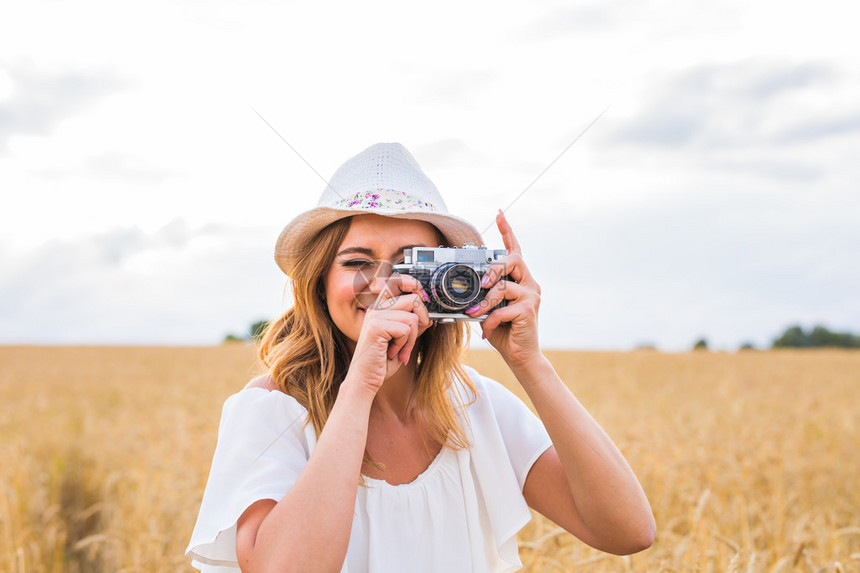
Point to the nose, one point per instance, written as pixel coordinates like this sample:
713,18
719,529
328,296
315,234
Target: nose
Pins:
380,277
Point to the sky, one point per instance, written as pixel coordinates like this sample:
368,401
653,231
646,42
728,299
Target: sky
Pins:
715,195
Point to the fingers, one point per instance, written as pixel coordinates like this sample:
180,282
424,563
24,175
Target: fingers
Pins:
511,243
509,272
398,325
403,292
395,286
405,352
512,264
510,314
520,312
400,300
402,331
501,291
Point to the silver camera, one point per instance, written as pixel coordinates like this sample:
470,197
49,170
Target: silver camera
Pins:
451,277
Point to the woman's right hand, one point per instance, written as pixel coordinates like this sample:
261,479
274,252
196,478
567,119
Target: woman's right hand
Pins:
268,535
391,327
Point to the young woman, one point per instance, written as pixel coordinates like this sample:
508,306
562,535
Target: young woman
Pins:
368,446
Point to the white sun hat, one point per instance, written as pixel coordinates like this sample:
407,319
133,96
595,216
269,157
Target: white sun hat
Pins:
384,179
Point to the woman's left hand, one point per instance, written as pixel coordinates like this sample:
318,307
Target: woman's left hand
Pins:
511,329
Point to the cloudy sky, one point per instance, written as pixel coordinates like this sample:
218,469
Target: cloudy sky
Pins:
716,196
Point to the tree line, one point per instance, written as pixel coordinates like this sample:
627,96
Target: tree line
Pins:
793,337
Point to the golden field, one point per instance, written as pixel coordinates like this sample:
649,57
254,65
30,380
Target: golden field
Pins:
751,460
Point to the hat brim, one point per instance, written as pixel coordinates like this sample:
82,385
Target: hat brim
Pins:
298,234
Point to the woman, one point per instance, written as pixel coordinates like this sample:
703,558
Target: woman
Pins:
368,446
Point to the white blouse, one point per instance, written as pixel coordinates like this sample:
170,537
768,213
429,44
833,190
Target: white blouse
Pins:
461,514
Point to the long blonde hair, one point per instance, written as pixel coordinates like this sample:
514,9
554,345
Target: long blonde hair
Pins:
307,356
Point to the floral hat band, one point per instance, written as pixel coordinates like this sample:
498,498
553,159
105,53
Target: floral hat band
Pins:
385,199
384,179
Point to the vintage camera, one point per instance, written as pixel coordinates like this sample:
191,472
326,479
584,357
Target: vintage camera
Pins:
451,277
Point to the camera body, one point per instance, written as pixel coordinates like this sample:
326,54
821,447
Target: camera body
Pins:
451,276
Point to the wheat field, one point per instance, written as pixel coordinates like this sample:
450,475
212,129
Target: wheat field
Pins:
751,460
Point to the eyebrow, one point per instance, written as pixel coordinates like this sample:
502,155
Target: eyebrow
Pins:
352,250
369,252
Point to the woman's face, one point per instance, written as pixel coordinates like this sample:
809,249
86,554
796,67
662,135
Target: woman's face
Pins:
371,246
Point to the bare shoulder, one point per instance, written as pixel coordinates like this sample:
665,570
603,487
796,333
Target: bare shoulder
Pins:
265,381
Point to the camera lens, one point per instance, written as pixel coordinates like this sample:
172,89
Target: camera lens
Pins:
455,286
459,285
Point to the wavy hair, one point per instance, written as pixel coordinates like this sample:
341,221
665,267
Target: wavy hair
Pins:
307,356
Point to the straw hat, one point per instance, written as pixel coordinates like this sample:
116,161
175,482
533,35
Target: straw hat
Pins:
383,179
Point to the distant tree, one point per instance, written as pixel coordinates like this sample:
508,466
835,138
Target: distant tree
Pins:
793,337
747,346
818,337
255,332
257,329
701,344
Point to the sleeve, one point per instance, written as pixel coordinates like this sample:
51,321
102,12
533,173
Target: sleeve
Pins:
506,438
263,446
523,433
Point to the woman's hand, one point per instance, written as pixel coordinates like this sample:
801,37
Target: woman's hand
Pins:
512,329
269,537
391,327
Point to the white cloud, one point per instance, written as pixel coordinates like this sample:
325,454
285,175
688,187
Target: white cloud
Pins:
177,285
711,199
731,267
36,101
738,106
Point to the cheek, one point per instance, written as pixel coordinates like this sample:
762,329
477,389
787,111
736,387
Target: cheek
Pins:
340,289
